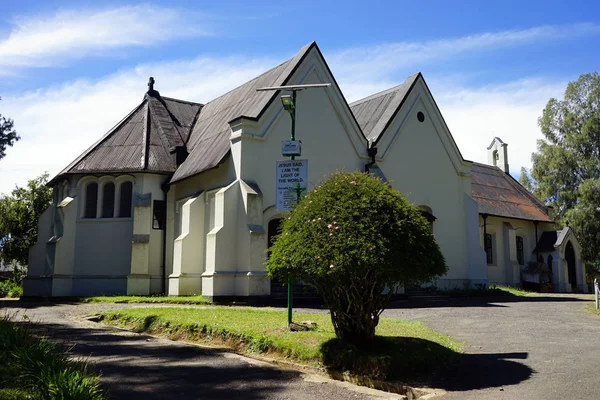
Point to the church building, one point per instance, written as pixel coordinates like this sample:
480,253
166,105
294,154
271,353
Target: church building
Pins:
180,197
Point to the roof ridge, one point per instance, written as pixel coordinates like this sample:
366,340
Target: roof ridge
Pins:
182,101
383,92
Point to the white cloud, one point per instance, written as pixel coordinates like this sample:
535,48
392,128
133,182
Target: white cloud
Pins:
39,41
58,123
363,63
509,111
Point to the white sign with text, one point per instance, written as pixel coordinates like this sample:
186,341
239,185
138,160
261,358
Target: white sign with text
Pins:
291,183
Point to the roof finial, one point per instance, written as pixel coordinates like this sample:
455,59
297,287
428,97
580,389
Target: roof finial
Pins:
151,84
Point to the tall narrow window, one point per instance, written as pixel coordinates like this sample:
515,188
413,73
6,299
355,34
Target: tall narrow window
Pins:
108,200
125,200
488,248
91,200
159,214
520,252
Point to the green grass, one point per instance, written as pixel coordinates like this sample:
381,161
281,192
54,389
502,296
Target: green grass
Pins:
33,368
591,308
512,291
492,291
402,349
10,289
146,299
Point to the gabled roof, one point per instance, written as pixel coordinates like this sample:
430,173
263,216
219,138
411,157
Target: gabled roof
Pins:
546,243
499,194
209,141
143,141
549,241
374,113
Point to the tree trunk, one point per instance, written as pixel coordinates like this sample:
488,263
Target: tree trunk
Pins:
358,329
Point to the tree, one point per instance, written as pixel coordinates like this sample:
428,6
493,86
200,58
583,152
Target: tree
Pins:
525,180
353,238
8,135
19,215
566,166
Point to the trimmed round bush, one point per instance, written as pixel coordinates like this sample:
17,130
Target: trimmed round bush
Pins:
355,239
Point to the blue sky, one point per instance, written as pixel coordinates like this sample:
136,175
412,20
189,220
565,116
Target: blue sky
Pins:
70,70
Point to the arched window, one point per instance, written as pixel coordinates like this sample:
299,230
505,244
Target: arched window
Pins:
489,249
495,157
428,214
91,200
125,200
108,200
520,252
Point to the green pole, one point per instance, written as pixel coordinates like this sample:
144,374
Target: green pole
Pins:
290,283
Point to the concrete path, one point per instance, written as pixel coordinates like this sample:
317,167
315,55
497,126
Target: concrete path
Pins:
544,347
141,367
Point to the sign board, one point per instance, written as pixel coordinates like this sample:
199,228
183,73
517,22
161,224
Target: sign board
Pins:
291,183
291,148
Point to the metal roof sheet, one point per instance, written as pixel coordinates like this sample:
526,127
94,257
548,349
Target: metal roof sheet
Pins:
497,193
142,141
375,112
208,143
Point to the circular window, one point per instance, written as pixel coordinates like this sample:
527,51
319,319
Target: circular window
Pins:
420,116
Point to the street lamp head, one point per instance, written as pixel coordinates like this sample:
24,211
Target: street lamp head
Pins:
288,102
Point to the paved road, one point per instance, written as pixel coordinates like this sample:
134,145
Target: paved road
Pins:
544,347
141,367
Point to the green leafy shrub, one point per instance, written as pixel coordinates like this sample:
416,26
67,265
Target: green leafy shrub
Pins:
10,289
33,368
355,239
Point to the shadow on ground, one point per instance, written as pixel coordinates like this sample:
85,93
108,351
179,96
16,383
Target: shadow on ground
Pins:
138,367
494,301
411,360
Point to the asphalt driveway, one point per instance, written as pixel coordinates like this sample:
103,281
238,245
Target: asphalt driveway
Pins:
543,347
142,367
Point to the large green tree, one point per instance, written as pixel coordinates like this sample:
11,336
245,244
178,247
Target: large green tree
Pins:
566,166
8,135
353,238
19,215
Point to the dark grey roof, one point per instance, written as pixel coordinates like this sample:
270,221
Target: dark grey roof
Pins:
375,112
497,193
209,141
546,242
143,141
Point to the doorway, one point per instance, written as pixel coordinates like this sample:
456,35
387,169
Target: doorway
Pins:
571,267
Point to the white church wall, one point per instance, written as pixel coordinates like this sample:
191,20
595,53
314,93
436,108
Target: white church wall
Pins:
182,191
505,268
420,160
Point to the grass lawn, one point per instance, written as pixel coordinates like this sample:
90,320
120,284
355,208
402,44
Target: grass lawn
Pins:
492,291
33,368
591,308
146,299
403,350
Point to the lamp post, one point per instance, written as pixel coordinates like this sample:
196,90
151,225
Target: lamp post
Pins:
289,104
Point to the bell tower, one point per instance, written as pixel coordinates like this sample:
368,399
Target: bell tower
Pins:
498,154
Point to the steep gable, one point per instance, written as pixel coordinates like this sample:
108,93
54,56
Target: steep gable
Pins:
374,113
209,141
